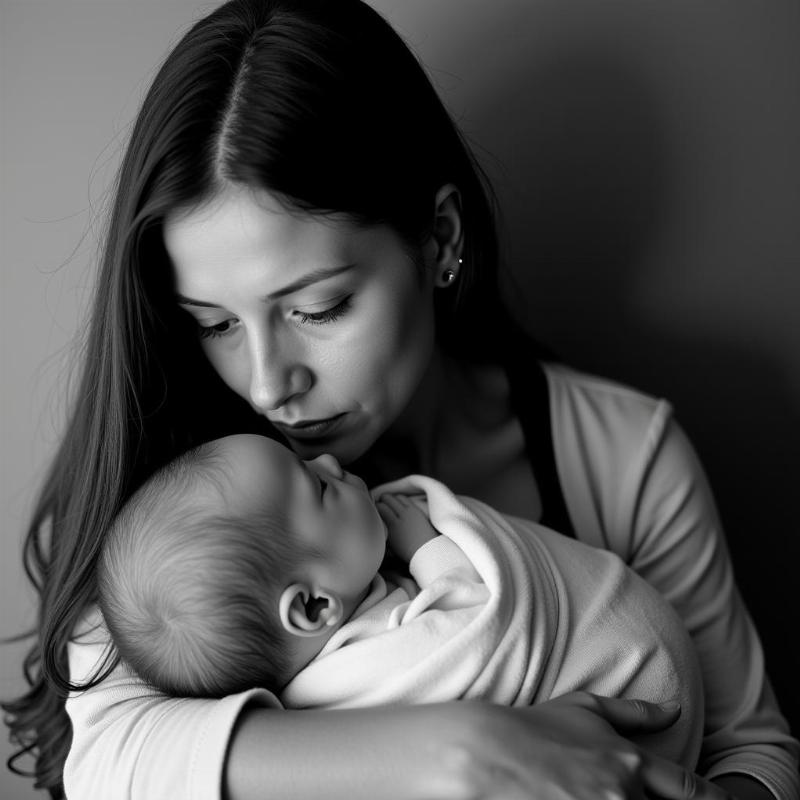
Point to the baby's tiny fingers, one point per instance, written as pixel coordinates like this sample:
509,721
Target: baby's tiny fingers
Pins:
393,502
386,511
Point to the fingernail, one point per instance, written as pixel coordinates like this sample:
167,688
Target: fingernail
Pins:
670,705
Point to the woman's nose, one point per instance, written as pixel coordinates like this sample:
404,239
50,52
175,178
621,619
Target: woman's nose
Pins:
275,377
328,464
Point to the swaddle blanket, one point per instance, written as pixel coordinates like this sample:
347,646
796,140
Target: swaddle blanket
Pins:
508,611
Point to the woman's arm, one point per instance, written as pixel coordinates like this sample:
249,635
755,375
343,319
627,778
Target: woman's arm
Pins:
565,748
634,485
133,743
130,741
679,548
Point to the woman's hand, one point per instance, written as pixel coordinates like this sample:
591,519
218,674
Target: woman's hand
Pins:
585,755
665,779
570,748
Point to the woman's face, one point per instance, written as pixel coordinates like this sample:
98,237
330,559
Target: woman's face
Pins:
324,327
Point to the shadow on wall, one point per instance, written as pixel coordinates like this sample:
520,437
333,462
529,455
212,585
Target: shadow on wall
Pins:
593,179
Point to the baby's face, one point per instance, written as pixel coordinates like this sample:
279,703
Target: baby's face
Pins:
325,507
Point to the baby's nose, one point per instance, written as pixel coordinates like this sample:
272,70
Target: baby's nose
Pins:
329,464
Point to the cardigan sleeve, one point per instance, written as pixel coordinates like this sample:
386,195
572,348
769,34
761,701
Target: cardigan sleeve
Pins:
634,485
130,742
679,547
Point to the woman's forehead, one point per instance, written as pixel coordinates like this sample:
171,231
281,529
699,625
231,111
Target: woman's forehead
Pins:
241,244
242,223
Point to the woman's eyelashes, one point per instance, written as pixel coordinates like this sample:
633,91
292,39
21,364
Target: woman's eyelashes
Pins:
326,316
223,328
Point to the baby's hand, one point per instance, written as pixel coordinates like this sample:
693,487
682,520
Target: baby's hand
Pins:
407,526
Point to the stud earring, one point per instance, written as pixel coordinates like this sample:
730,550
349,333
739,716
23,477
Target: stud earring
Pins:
448,276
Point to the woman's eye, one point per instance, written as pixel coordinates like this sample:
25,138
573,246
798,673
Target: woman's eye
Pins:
328,315
220,329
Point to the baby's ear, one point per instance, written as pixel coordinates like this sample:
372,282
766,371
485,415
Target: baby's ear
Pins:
307,612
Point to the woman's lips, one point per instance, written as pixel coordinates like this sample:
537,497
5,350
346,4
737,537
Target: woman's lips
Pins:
311,429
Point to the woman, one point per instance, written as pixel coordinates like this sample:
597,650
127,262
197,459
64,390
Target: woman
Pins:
301,245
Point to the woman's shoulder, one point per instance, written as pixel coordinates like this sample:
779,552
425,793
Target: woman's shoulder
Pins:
601,406
569,380
90,627
88,647
606,436
576,397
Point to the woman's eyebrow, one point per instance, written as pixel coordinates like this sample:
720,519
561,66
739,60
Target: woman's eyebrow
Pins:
315,276
309,279
187,301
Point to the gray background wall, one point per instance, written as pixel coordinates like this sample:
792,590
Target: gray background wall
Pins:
646,158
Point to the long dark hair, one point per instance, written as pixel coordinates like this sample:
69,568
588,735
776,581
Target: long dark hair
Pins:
321,103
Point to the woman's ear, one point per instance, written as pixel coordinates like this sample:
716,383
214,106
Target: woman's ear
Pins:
307,612
447,234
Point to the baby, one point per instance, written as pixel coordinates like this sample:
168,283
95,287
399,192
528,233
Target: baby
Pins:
240,565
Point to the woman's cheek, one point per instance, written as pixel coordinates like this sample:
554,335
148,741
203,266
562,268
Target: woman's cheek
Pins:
398,354
374,350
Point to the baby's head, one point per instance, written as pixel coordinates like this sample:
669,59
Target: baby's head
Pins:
232,566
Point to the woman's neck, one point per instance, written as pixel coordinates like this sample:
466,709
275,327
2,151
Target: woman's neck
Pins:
455,403
461,429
